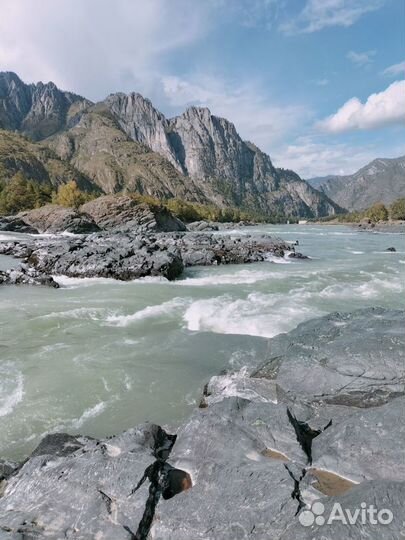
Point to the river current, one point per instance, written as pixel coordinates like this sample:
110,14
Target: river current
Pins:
98,356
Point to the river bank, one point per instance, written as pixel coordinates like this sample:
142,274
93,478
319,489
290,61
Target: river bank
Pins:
268,444
366,225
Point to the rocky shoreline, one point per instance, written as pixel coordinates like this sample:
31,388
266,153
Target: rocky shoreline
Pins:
114,237
317,423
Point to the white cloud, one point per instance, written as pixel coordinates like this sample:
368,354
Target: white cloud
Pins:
319,14
310,157
380,109
395,70
361,58
322,82
96,46
254,117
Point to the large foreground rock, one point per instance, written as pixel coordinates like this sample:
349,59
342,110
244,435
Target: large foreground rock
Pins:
355,358
258,460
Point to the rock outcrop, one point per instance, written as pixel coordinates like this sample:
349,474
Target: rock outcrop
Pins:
124,213
26,275
53,218
258,459
130,255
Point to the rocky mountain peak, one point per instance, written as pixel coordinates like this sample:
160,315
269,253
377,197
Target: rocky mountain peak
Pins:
38,110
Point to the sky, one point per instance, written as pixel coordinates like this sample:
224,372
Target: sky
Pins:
317,84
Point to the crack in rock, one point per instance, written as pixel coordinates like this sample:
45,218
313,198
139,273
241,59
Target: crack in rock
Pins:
305,434
164,481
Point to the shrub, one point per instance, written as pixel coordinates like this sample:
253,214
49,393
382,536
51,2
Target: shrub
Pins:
70,195
397,209
377,212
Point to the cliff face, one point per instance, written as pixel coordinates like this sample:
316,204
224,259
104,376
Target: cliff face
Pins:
37,110
124,143
208,149
382,180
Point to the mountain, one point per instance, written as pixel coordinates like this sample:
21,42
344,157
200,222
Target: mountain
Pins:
209,150
36,110
124,144
318,181
37,162
382,180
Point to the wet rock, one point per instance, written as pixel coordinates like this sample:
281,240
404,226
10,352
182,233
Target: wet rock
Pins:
57,219
208,249
120,257
127,256
16,224
352,359
26,276
322,450
81,488
235,452
7,468
297,255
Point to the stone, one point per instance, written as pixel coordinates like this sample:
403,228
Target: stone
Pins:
324,350
25,275
81,488
16,224
125,214
52,218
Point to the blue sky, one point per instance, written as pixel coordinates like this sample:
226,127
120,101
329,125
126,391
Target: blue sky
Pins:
318,84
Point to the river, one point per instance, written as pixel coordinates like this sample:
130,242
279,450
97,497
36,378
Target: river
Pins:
98,356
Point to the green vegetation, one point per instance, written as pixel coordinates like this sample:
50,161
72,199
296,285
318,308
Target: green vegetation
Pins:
21,194
398,209
188,211
70,195
374,214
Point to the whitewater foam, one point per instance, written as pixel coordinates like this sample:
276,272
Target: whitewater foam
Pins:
169,308
89,413
259,314
11,388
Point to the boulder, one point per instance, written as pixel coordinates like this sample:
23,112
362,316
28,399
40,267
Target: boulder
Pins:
118,256
125,214
202,226
352,359
16,224
25,275
80,488
54,219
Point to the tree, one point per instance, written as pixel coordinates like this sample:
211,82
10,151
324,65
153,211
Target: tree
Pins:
377,212
397,209
70,195
17,195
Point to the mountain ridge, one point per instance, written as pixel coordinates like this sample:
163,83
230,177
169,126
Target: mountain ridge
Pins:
202,157
381,180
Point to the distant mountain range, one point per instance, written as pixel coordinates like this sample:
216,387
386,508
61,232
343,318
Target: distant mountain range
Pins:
124,144
382,180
